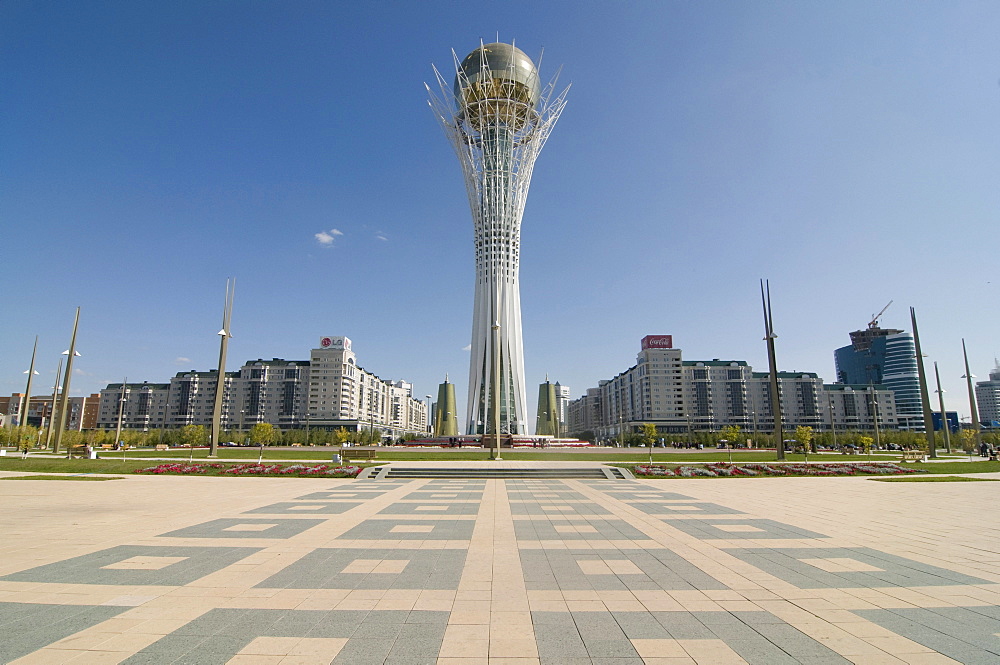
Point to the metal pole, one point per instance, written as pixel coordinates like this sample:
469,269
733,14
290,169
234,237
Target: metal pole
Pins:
944,415
52,414
769,337
833,423
495,391
973,409
220,385
121,413
22,414
427,416
64,399
878,441
925,401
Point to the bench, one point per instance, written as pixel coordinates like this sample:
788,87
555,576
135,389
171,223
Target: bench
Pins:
913,456
352,455
162,446
107,446
296,445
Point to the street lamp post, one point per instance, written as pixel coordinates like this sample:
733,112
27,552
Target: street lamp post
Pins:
944,415
121,414
427,415
973,410
495,391
64,399
220,385
166,419
833,423
925,401
769,337
52,413
871,390
22,414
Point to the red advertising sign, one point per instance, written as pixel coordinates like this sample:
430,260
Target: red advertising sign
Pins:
658,342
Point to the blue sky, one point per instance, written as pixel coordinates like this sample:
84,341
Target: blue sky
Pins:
847,151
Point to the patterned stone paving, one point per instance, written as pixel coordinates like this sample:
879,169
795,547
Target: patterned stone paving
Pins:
529,572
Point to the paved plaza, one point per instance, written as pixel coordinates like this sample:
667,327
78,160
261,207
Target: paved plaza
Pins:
156,570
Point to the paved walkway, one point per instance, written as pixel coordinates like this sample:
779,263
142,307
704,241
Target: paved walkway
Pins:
549,572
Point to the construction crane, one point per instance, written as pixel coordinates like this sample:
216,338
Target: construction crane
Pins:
874,322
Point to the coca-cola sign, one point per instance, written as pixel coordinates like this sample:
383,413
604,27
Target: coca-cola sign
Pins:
658,342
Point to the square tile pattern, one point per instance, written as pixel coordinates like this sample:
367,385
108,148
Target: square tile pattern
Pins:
341,637
556,507
592,528
848,568
438,507
557,572
683,508
359,568
403,529
136,565
245,528
305,508
634,570
27,627
714,529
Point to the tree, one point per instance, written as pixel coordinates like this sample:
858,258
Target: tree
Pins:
194,435
806,437
866,444
731,433
968,439
648,434
263,434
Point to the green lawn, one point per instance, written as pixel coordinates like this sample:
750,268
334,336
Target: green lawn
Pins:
43,465
62,478
623,456
112,463
934,479
956,467
103,466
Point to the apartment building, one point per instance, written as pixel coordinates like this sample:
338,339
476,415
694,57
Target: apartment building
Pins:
680,395
329,390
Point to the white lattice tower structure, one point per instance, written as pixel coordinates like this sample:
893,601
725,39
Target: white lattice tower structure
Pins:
497,117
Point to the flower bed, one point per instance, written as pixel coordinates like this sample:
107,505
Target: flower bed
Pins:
216,469
723,470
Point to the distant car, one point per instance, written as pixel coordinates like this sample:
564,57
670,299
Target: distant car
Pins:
230,444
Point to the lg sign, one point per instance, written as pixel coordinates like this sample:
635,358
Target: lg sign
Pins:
334,343
658,342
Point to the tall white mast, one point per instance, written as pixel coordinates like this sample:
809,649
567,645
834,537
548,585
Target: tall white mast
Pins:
497,117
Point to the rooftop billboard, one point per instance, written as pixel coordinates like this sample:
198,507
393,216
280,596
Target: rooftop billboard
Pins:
658,342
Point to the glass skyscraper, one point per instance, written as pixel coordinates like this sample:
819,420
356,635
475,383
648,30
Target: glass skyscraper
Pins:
884,356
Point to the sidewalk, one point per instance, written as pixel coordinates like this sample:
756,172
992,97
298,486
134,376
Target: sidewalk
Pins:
457,572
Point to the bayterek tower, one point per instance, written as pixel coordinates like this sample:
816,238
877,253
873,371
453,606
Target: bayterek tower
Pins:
497,117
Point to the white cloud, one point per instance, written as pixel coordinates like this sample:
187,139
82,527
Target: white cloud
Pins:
381,236
181,360
326,238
